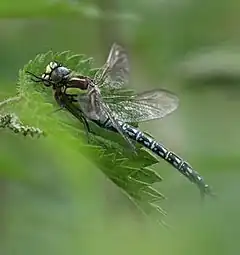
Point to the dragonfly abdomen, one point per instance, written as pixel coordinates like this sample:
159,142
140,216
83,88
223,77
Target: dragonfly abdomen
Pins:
157,148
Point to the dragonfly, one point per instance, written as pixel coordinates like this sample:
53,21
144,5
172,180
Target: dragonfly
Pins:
105,100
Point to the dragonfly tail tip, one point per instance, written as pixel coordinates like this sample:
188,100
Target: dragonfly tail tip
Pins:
207,190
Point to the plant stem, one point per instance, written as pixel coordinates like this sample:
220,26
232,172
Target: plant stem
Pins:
9,100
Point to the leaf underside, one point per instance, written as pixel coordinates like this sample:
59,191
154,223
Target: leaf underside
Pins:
130,172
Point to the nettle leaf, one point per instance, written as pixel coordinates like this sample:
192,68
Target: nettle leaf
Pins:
130,172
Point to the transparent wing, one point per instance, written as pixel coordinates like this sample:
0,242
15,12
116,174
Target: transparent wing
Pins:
149,105
115,124
94,108
115,72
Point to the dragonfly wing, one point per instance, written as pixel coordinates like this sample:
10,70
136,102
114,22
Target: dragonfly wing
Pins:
149,105
116,125
115,72
95,109
90,106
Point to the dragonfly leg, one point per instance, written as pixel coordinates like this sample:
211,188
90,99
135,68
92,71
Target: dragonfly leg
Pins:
86,128
36,78
85,124
59,101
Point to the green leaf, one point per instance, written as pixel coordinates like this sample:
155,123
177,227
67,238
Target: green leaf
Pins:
131,173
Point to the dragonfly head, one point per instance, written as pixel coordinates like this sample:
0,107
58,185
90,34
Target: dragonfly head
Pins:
55,75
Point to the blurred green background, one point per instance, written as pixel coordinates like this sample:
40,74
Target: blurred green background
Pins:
53,203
